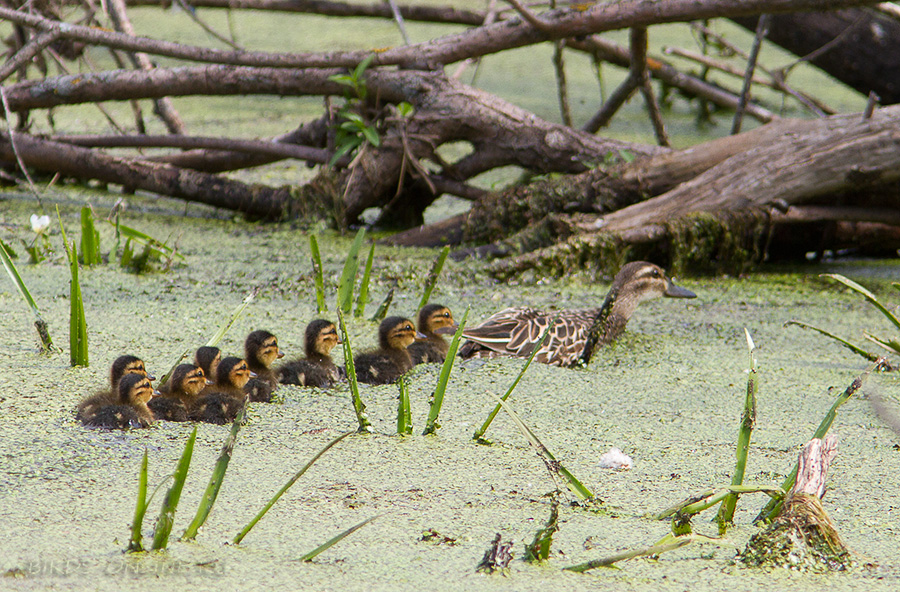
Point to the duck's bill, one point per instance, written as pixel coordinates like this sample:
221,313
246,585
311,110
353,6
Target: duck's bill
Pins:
673,291
450,330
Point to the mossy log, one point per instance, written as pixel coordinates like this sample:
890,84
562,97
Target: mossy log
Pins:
721,206
803,537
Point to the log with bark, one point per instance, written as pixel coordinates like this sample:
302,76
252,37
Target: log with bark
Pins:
787,188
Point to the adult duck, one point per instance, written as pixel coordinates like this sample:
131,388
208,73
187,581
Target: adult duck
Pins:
576,334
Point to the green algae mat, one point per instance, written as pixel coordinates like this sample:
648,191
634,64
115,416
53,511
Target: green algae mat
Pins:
669,394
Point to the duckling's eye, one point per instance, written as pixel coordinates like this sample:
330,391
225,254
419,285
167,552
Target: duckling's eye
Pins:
655,273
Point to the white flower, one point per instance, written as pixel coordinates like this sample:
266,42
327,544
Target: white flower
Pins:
39,223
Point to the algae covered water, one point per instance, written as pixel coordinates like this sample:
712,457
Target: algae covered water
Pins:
669,393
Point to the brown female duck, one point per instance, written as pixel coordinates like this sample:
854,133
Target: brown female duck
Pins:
576,334
129,411
317,368
391,360
260,351
434,320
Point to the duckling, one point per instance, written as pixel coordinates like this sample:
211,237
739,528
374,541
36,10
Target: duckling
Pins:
260,350
576,333
130,411
434,319
317,368
123,365
391,360
221,402
185,384
207,358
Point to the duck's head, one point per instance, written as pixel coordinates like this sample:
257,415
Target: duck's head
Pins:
262,347
641,280
321,337
436,318
234,372
189,379
127,365
135,389
208,358
397,333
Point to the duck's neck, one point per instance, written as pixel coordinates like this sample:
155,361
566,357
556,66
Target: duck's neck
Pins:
320,359
609,322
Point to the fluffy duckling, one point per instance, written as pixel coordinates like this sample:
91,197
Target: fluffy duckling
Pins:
434,319
122,366
317,368
221,402
130,411
260,351
577,333
184,385
207,358
391,360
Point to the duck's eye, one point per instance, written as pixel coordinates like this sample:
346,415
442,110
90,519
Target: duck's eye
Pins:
655,273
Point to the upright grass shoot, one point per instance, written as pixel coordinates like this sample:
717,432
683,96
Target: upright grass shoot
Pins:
358,406
437,399
382,309
404,414
40,324
539,549
240,536
78,341
135,544
432,278
170,503
318,274
90,239
479,434
748,419
215,481
554,466
773,508
348,275
336,539
363,298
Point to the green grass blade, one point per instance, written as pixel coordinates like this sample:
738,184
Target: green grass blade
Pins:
404,415
437,399
215,481
287,486
709,498
363,298
432,278
334,540
235,315
39,323
381,312
854,348
170,503
892,345
773,508
748,420
318,274
348,276
90,238
539,549
867,294
358,406
78,346
135,545
554,465
662,547
146,240
479,434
